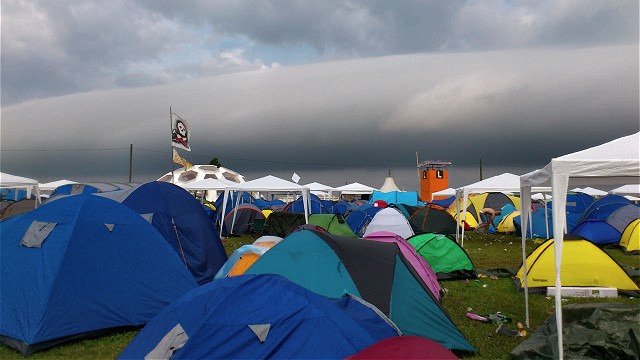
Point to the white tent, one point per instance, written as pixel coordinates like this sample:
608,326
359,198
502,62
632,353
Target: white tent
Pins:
19,183
504,183
50,186
354,189
268,185
389,185
629,189
319,189
590,191
615,162
210,185
445,192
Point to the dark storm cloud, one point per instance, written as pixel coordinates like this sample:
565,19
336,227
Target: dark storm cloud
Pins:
52,48
514,109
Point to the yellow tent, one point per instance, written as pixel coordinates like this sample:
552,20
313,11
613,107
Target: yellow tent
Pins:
630,239
506,225
583,264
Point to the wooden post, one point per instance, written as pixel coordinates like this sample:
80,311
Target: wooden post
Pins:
130,161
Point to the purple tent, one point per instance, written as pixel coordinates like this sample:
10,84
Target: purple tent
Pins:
418,262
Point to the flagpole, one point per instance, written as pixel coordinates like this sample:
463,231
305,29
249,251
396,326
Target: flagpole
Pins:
171,142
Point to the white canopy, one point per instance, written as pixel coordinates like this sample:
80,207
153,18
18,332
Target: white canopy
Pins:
19,182
208,184
505,183
629,189
269,184
354,189
50,186
590,191
615,162
316,186
445,192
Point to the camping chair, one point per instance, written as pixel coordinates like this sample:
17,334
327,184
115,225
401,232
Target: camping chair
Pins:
257,228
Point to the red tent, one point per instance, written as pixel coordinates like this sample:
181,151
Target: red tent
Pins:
405,347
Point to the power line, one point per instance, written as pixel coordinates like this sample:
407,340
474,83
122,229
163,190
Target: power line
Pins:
223,158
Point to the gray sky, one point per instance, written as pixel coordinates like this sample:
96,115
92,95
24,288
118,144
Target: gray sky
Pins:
336,91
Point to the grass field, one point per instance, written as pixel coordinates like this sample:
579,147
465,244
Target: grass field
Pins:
484,295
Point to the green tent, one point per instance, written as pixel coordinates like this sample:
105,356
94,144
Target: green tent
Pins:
333,223
444,255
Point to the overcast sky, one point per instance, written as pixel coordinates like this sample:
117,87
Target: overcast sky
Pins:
337,91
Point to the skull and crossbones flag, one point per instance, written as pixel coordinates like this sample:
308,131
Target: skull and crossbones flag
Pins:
180,133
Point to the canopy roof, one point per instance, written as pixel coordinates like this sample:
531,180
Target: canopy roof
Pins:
268,184
629,189
14,181
355,189
10,181
614,162
316,186
208,184
590,191
54,184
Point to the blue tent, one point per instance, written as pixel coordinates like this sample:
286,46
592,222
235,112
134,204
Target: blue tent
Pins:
599,232
259,317
377,272
81,265
397,197
603,207
315,204
182,221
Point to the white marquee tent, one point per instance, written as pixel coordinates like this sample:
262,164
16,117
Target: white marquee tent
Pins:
268,185
629,189
354,189
19,182
504,183
612,163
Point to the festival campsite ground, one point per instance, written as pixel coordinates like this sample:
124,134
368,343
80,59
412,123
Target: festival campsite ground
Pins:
484,295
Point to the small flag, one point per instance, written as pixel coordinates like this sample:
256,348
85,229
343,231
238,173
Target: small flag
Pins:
180,160
295,178
180,133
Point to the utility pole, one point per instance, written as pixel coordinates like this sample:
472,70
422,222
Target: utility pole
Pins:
480,169
130,161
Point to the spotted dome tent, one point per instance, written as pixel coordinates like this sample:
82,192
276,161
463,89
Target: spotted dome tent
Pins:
418,262
181,220
79,266
377,272
583,264
445,256
432,219
630,238
390,219
234,318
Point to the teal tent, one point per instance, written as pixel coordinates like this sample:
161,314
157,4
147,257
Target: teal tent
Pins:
377,272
